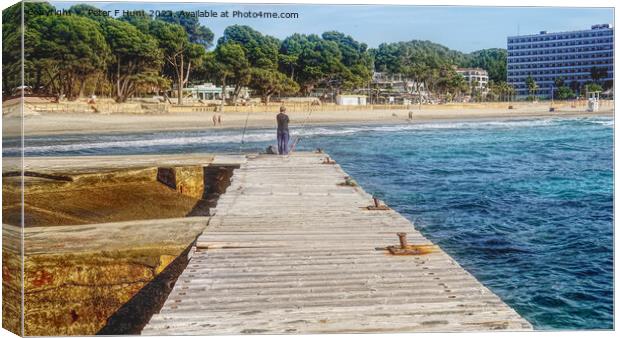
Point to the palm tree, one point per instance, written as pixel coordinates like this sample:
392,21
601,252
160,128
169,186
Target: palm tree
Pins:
417,72
511,91
457,84
532,86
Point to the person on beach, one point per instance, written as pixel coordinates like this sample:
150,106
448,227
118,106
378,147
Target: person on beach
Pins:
283,135
219,120
214,120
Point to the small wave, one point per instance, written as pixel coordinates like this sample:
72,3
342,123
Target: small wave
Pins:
120,142
603,122
262,135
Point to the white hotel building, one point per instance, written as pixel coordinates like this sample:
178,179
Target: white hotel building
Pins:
566,55
477,77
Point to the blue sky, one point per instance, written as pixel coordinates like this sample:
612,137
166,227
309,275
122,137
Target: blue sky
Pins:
461,28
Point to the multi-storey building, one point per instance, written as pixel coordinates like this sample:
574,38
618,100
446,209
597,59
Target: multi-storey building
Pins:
477,78
569,56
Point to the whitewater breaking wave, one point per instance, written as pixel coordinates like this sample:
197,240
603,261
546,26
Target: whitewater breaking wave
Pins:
180,139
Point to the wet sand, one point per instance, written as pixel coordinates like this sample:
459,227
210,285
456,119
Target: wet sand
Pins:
66,123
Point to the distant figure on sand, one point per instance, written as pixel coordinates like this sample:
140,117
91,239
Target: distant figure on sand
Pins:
219,120
410,115
214,120
283,135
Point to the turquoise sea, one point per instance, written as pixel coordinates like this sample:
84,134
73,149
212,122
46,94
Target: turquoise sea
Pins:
525,205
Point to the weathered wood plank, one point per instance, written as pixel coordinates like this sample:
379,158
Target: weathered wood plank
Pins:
290,249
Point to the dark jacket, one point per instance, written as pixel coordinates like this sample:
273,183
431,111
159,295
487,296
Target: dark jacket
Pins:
282,122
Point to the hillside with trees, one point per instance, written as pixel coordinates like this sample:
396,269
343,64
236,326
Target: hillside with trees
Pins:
73,56
433,64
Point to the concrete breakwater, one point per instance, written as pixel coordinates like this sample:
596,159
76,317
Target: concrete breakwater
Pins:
105,237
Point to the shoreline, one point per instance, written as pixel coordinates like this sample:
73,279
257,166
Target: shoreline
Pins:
54,124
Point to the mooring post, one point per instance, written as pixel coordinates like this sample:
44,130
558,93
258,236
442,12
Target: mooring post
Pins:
402,237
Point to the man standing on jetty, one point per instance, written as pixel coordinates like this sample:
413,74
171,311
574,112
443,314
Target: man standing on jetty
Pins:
283,135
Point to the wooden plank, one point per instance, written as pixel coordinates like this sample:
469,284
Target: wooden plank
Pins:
289,250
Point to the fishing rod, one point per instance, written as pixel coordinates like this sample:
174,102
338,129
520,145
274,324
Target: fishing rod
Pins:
247,116
298,137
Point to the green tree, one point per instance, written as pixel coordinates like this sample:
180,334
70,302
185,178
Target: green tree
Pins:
290,51
232,53
143,23
137,58
68,49
532,86
180,54
11,48
261,50
319,62
456,84
269,82
420,73
230,62
334,61
197,33
594,87
262,53
12,61
565,93
89,12
394,57
493,60
503,90
391,57
355,57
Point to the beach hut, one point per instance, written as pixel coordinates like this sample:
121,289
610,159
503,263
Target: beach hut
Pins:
351,100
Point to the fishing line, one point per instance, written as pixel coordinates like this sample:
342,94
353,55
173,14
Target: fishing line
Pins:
298,137
244,129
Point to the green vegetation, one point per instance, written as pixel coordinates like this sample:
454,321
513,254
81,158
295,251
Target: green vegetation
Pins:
594,87
136,59
178,51
532,87
493,60
66,51
565,93
500,91
433,65
73,56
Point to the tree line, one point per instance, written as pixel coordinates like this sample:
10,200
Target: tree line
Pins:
565,90
76,55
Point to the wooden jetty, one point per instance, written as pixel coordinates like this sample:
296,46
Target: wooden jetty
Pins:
291,248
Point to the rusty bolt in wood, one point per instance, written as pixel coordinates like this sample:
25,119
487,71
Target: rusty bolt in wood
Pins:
402,237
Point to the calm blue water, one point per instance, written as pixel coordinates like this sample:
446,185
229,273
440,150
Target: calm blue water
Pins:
526,206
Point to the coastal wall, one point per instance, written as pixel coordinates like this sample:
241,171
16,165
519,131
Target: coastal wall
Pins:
12,278
76,277
106,106
12,285
103,243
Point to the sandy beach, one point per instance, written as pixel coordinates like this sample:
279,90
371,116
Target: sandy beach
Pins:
54,123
